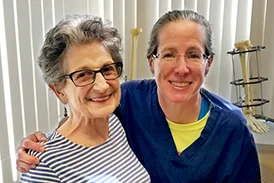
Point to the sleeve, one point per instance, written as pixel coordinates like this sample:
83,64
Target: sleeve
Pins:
41,174
247,169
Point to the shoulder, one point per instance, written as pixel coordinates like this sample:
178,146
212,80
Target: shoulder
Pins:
145,84
228,121
225,106
54,142
43,172
225,116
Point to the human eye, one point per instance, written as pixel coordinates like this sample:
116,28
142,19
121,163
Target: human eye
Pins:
169,56
83,75
194,56
109,69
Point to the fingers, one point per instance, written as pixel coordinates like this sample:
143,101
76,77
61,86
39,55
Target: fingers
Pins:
24,157
22,170
30,142
25,161
23,167
25,144
38,137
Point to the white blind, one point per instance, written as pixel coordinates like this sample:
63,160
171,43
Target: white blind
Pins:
27,104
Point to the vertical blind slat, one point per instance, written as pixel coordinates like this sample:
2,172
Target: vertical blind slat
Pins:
130,23
267,60
7,174
243,20
227,43
216,13
177,4
96,8
164,6
47,16
25,59
59,11
71,7
203,8
119,18
147,16
256,36
1,170
13,74
190,5
107,7
119,21
15,132
258,22
40,88
4,144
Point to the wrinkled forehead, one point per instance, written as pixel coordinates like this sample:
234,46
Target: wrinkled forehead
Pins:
92,55
181,35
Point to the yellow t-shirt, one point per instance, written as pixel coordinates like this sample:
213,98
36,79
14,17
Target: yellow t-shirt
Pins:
185,134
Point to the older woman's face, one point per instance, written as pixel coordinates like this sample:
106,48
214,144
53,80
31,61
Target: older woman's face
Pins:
179,80
98,99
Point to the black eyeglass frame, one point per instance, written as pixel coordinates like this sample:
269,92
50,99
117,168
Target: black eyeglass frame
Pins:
118,66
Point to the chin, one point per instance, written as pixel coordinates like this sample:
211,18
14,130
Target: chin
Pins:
178,98
103,111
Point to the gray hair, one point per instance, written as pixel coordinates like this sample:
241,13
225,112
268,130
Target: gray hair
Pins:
175,15
71,30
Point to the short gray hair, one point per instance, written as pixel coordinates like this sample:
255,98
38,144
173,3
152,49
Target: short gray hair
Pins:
175,15
75,29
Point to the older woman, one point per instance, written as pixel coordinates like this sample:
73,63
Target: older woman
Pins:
179,131
81,63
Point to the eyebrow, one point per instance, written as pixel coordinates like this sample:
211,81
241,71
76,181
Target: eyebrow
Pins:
88,68
194,48
168,49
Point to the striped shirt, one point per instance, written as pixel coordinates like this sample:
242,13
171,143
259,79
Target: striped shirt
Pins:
64,161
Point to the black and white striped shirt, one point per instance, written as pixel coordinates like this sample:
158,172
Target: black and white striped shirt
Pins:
64,161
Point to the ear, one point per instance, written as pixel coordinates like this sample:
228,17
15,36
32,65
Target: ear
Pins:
208,64
151,64
59,93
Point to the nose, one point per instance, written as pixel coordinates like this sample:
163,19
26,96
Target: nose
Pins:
181,66
100,84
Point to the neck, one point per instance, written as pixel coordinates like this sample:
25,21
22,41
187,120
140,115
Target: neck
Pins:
182,113
85,131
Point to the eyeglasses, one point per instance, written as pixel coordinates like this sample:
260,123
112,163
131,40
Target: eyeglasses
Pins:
191,57
86,77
